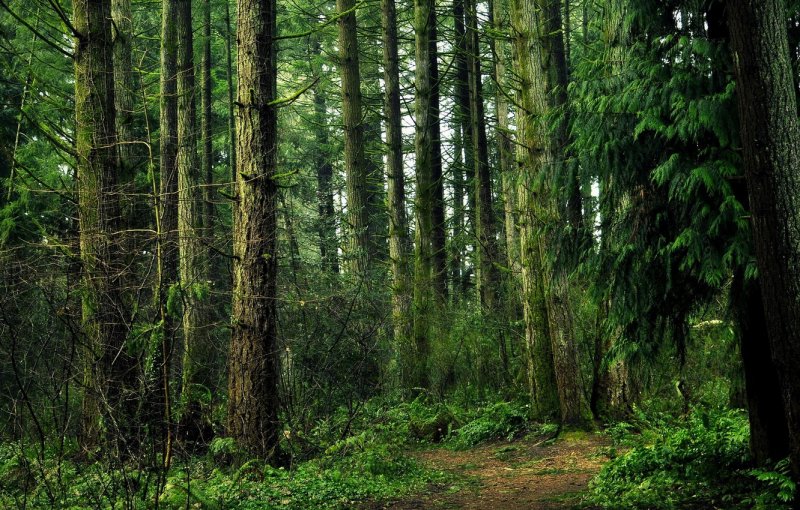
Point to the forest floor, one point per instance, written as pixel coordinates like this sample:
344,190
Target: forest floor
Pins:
530,473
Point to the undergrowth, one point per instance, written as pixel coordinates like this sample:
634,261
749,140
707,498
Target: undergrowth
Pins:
699,462
349,457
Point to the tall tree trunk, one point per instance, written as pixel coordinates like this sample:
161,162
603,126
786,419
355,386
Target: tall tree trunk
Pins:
574,406
505,158
167,218
769,437
231,124
124,90
253,371
197,355
771,149
458,234
463,115
485,232
206,127
328,244
354,163
398,224
532,146
109,369
428,173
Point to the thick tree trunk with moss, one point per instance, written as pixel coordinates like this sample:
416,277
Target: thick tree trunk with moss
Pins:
253,371
197,366
109,394
398,224
358,253
532,147
771,148
574,405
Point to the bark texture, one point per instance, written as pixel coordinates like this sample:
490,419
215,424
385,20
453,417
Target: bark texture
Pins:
109,370
532,147
399,244
197,363
771,148
358,253
253,360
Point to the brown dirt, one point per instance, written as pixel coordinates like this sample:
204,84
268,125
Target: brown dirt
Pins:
525,474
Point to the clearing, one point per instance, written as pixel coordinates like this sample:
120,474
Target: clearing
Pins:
530,473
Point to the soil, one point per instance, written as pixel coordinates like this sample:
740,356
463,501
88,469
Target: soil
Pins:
530,473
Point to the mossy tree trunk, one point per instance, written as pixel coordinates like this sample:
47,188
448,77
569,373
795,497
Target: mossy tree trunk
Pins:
532,148
167,218
253,370
109,393
359,246
399,243
197,365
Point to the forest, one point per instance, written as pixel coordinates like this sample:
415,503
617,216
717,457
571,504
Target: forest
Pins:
408,254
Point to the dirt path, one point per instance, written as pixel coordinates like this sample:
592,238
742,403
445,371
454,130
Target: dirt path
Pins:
524,474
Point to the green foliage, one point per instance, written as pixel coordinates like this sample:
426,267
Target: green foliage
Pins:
655,129
699,462
503,420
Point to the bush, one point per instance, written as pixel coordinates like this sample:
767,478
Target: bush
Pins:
502,420
702,462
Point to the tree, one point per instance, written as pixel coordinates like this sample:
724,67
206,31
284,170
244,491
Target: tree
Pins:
253,357
109,370
328,244
429,256
197,354
770,136
532,146
167,216
485,232
398,225
360,252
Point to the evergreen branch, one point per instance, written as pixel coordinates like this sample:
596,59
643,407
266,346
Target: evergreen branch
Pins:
285,101
35,32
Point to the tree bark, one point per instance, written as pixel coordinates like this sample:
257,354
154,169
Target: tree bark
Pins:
109,370
485,231
167,219
770,141
503,137
398,224
354,162
197,365
532,146
206,128
253,371
769,437
463,115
